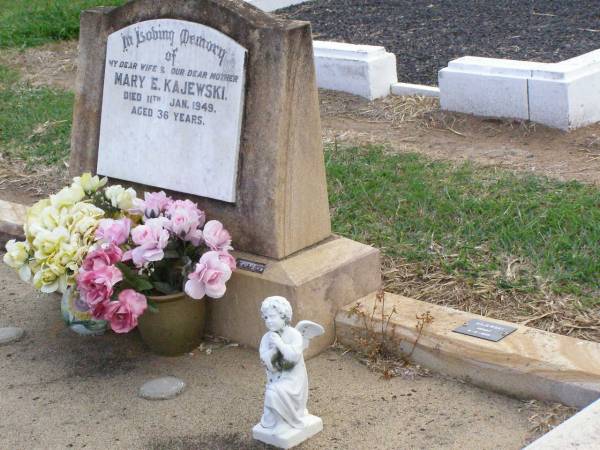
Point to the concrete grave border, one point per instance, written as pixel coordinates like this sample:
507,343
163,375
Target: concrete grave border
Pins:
580,431
564,95
365,70
528,363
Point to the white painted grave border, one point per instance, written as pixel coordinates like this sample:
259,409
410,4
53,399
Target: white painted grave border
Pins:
580,431
563,95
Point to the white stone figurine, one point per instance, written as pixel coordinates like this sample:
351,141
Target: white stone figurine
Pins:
285,422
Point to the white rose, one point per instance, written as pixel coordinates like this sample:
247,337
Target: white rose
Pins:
17,256
120,197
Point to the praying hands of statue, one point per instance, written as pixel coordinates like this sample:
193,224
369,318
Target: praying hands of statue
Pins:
267,358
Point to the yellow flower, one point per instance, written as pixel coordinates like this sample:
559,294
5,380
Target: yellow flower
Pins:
89,183
33,220
50,279
51,217
46,243
82,216
67,196
67,257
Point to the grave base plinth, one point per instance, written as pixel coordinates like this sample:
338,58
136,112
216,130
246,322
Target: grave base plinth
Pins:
317,281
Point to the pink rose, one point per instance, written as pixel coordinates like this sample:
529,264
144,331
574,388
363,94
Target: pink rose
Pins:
208,278
96,286
151,239
185,220
123,314
105,255
153,205
215,236
225,257
98,310
113,231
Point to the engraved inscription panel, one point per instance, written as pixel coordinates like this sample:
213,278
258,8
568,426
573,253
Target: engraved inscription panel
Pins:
172,108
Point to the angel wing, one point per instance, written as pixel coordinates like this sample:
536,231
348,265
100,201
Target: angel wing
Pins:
309,330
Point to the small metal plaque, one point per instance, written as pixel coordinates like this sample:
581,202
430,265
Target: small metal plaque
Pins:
251,266
481,329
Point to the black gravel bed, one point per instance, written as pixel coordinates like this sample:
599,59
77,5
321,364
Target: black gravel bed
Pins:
425,35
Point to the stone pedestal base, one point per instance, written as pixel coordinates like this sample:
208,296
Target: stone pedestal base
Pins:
317,281
288,437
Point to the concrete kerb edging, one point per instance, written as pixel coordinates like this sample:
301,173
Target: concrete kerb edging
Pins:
12,217
415,89
527,364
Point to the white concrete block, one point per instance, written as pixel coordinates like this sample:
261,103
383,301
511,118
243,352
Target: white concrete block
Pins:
415,89
566,95
365,70
563,95
549,103
582,431
272,5
483,94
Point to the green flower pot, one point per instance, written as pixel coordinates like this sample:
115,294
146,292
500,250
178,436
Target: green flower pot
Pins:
177,327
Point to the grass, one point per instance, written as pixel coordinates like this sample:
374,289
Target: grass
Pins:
520,230
27,23
35,123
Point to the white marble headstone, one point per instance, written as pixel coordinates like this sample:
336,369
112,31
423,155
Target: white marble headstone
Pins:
172,108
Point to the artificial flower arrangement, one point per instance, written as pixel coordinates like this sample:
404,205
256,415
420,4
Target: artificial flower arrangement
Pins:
117,249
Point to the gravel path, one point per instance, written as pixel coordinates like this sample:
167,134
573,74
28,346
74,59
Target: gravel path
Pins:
426,34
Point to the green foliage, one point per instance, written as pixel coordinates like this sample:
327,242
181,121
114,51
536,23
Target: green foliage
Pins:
26,23
133,280
470,221
35,123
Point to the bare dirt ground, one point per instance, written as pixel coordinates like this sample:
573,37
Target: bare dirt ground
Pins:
61,390
402,124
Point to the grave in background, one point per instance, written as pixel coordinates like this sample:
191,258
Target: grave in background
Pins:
217,99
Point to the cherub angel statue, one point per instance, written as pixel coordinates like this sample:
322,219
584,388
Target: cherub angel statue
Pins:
285,421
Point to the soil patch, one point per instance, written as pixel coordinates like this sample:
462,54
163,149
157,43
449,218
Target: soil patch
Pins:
426,34
416,124
53,65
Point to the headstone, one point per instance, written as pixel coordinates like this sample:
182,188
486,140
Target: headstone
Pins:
210,98
216,101
162,388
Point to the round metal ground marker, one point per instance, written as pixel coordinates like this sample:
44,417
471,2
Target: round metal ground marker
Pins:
162,388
